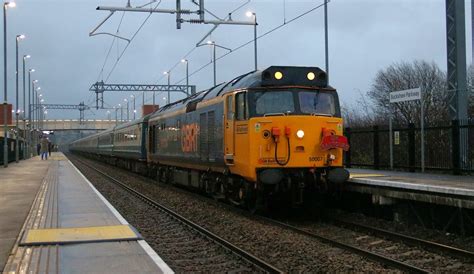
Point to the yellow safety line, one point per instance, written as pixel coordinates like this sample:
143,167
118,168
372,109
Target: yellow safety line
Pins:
79,234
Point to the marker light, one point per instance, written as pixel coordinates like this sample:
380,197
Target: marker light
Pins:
311,76
278,75
300,134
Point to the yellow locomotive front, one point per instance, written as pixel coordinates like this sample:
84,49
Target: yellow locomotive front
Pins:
288,132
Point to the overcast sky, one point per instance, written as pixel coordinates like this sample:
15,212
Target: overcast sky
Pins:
364,37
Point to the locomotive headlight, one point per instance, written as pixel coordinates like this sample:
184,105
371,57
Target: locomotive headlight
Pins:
311,76
278,75
300,133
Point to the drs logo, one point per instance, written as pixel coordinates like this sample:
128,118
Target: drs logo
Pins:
189,134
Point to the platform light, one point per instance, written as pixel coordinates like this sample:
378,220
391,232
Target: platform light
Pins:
10,4
278,75
21,36
300,134
311,76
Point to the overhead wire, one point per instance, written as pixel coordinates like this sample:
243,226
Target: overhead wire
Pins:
252,40
128,44
194,48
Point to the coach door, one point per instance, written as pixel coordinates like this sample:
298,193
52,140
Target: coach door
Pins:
229,130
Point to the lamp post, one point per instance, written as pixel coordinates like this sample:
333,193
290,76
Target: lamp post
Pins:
187,74
214,45
213,59
128,109
121,113
38,108
33,106
29,111
40,112
25,131
116,117
5,95
17,103
34,120
134,109
168,74
254,15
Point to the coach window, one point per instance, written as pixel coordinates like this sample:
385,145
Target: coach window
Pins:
241,106
230,113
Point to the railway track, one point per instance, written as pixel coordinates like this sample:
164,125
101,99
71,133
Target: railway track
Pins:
434,246
355,248
251,259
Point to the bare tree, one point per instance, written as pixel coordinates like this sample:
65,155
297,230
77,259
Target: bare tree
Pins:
401,76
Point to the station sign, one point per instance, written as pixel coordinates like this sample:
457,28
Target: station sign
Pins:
405,95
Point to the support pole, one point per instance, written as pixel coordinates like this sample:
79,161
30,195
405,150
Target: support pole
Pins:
326,46
255,40
422,134
25,131
214,62
456,72
5,102
17,106
390,132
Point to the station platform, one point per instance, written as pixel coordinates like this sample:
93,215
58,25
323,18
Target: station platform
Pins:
457,191
54,221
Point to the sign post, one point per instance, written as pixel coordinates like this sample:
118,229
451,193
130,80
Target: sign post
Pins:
405,96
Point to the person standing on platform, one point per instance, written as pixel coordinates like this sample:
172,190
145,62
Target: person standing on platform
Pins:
50,147
38,148
44,148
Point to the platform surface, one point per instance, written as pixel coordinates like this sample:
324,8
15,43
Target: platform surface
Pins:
445,184
67,207
19,184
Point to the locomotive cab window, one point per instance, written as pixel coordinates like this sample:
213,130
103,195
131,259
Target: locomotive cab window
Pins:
241,106
274,102
293,102
230,112
317,103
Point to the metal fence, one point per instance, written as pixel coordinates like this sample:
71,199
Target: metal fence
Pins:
11,149
447,147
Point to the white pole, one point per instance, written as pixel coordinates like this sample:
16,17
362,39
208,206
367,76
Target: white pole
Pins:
422,134
391,135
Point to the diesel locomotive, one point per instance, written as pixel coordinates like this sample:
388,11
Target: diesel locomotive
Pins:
275,133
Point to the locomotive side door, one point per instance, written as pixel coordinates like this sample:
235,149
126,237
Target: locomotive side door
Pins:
229,129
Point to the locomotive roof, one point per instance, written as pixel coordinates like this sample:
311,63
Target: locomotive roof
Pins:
290,76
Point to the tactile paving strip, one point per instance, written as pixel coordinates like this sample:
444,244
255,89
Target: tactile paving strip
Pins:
52,236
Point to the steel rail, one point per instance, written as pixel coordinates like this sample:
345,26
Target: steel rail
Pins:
407,239
365,253
226,244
